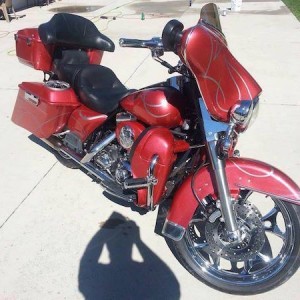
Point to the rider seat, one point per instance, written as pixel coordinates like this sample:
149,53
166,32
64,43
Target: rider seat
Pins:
98,87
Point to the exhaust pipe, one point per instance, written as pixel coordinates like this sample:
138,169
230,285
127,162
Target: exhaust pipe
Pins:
106,181
56,144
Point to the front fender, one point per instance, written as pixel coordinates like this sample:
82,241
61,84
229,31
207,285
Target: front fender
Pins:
241,173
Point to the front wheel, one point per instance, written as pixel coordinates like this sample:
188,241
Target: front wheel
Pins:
267,256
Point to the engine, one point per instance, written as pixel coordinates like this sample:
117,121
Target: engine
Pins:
114,159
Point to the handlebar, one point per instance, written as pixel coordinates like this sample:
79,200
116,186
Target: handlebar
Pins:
157,49
135,43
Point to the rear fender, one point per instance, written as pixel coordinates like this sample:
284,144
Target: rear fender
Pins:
241,173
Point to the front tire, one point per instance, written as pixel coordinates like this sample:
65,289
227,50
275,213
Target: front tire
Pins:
272,262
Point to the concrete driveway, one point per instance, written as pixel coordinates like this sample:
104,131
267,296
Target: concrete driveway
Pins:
60,238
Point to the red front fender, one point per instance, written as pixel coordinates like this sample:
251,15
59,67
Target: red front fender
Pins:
241,173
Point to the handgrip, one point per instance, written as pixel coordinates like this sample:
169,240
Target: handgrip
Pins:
133,43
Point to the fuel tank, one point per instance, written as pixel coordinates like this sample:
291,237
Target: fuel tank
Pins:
156,106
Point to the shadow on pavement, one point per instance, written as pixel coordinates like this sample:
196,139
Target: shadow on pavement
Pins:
119,275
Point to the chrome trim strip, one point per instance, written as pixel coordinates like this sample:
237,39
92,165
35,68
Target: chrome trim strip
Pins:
152,182
35,100
121,117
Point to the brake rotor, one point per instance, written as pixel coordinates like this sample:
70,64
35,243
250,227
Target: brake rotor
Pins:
252,233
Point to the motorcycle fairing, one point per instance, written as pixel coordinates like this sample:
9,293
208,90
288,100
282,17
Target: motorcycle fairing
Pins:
241,173
221,79
154,141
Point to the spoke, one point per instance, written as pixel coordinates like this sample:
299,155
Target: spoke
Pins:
277,231
259,262
271,215
201,245
247,267
264,258
267,250
216,261
234,267
270,223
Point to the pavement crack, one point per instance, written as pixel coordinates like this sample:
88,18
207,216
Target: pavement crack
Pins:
2,225
137,68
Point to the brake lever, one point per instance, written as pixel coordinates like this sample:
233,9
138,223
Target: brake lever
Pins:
171,69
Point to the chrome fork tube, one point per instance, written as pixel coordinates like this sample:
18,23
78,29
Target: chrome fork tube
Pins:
212,129
226,203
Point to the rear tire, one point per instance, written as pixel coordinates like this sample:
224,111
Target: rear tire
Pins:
265,270
64,160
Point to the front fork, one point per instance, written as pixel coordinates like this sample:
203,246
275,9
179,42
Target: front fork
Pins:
212,131
226,204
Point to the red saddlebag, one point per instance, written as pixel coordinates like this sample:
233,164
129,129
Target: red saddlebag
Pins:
43,110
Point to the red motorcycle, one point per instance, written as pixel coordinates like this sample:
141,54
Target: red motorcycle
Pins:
232,222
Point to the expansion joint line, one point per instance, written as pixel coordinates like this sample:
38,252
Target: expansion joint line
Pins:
2,225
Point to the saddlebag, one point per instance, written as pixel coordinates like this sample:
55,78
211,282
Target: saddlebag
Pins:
42,109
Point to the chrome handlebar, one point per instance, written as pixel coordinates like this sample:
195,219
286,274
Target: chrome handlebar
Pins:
157,50
154,43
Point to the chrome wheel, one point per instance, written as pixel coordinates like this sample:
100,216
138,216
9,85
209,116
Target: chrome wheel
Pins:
267,255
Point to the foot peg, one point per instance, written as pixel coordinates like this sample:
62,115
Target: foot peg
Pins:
136,183
145,183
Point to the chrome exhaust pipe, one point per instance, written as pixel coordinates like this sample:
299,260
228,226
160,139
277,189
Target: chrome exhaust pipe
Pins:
106,181
56,144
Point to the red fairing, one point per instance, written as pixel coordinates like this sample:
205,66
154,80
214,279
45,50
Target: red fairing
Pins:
222,80
155,106
241,173
42,110
31,51
83,121
159,141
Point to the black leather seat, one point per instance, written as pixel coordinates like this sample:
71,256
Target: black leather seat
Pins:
74,31
68,63
99,88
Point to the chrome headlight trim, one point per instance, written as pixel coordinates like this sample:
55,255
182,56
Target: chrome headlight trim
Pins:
242,113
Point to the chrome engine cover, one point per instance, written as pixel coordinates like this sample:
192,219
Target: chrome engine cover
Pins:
115,161
126,137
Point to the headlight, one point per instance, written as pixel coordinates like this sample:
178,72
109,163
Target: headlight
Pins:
244,113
